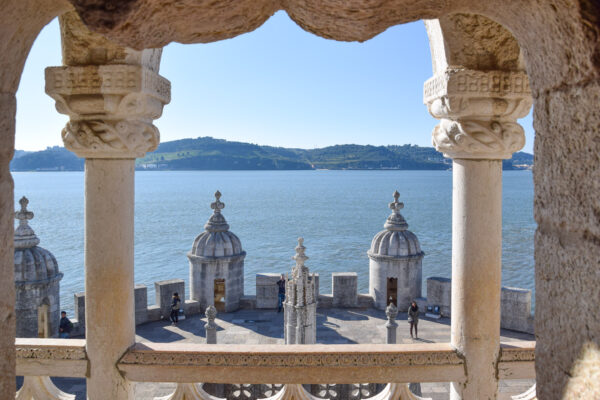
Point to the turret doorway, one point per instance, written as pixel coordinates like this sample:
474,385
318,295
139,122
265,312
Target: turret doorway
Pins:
219,290
392,291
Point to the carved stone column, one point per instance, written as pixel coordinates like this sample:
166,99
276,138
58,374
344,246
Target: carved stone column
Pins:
111,109
478,128
392,327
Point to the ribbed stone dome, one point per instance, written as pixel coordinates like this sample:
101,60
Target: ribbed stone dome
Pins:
217,240
396,240
32,262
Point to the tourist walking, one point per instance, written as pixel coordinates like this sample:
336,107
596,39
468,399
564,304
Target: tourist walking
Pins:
280,293
65,327
175,305
413,318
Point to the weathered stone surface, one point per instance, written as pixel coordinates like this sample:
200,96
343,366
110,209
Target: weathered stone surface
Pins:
515,309
478,43
567,242
267,290
7,268
81,47
79,306
140,292
344,287
439,293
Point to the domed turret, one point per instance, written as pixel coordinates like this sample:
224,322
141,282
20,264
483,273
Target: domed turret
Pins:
217,263
37,281
395,262
217,240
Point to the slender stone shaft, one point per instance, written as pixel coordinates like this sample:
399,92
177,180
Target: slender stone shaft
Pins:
109,314
476,273
7,269
392,327
210,326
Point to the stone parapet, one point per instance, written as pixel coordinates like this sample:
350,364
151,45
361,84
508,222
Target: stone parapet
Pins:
141,304
439,292
267,290
344,286
515,304
515,309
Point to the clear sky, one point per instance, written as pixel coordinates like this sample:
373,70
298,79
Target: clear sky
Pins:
278,85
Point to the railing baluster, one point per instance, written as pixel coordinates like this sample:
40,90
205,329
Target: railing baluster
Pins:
189,391
41,388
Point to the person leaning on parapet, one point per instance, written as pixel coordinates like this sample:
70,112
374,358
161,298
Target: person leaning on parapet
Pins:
413,318
175,304
280,293
65,327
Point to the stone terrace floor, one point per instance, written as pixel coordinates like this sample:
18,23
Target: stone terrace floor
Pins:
334,326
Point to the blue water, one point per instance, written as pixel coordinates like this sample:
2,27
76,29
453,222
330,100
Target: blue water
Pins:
337,212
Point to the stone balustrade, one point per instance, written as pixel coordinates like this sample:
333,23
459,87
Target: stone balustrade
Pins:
291,365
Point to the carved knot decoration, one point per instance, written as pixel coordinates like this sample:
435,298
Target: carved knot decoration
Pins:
478,112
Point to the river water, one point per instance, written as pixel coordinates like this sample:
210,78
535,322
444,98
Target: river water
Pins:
337,212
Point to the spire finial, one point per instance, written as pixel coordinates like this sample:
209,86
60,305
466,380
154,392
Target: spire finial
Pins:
396,221
217,205
217,222
23,214
300,257
24,236
396,205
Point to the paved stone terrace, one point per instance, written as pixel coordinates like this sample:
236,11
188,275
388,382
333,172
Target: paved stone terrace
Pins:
334,326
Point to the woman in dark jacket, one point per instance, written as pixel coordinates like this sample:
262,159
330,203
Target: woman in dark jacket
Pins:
175,304
413,318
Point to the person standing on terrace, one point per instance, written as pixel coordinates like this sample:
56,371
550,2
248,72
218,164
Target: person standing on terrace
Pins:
413,318
280,293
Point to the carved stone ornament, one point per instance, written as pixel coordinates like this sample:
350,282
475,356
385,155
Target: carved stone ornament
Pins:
111,108
41,388
478,112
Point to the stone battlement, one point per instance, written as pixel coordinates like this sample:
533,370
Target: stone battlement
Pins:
515,302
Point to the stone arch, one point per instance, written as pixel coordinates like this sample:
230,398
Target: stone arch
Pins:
561,49
474,42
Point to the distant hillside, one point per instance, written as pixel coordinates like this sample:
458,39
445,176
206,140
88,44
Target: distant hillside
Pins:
52,159
207,153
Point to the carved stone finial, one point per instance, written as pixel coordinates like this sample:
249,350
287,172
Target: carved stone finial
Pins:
391,312
300,257
396,206
217,222
24,235
211,313
396,222
23,214
217,205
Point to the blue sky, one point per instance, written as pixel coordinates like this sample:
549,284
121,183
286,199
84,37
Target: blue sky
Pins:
278,85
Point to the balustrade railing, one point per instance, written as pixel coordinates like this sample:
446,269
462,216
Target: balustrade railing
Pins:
393,367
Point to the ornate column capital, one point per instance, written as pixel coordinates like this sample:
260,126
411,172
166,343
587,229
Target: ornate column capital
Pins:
478,112
111,108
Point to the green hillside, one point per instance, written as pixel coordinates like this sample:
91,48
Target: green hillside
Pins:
207,153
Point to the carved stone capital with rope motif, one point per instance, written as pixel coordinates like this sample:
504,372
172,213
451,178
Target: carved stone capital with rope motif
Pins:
111,108
478,112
